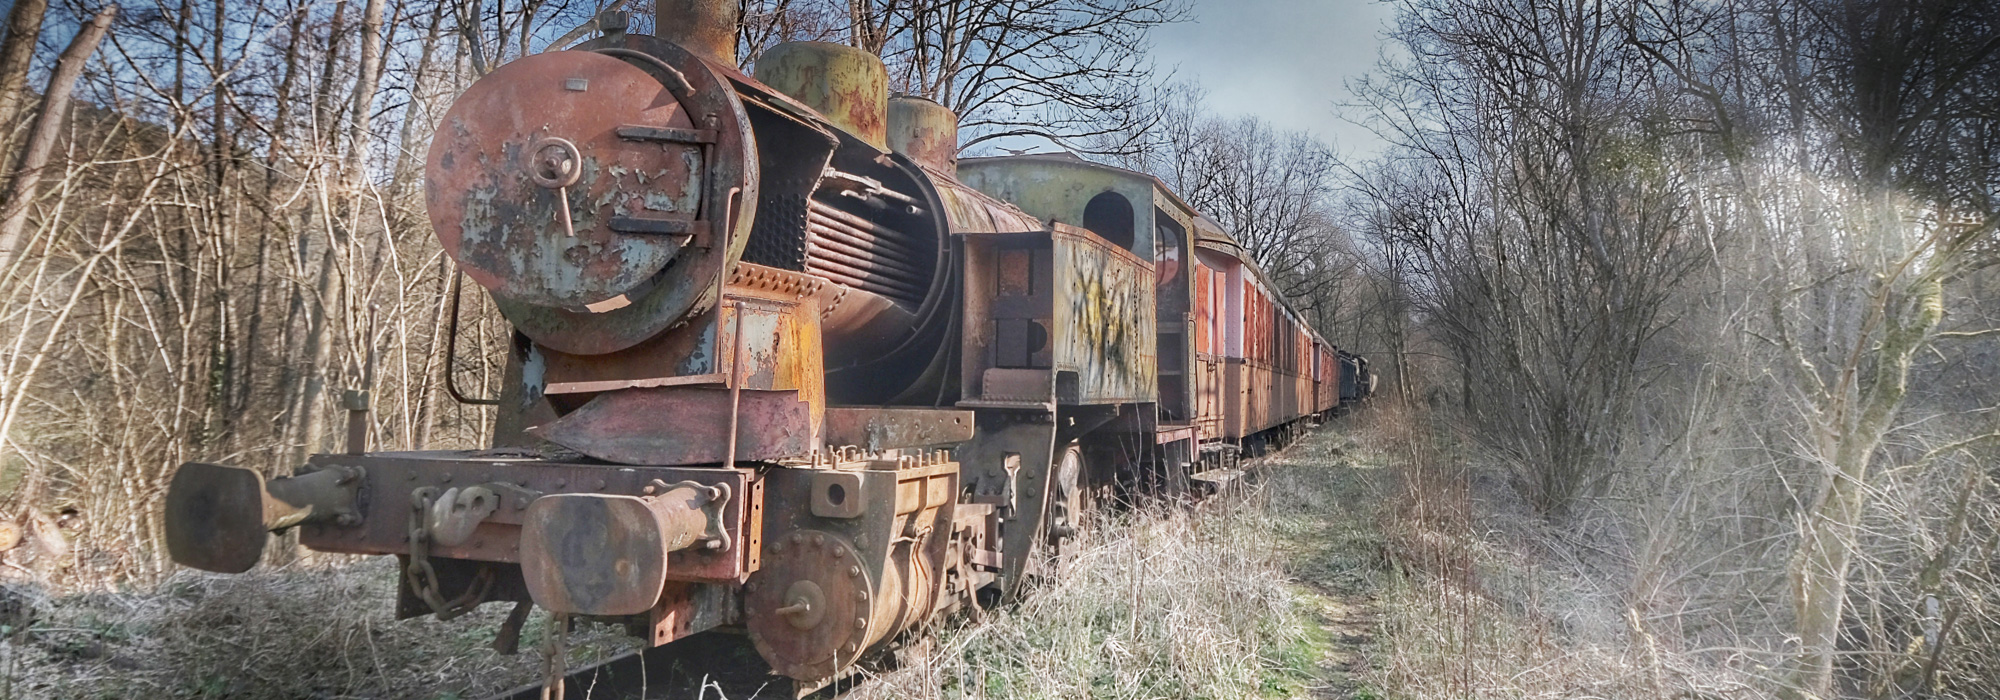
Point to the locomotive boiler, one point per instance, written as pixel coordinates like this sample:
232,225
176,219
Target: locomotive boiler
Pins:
775,367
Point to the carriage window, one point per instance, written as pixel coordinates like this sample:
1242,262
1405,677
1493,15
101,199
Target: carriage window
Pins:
1110,215
1167,237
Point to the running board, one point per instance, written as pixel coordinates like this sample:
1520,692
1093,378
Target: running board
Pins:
1218,476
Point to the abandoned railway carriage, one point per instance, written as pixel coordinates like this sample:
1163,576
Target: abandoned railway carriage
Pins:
776,366
1234,365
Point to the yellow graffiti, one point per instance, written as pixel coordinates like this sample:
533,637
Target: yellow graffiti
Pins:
1108,303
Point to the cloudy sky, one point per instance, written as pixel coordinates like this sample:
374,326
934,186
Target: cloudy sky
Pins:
1285,61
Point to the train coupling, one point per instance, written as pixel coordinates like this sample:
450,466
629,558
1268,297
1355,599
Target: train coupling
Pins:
217,517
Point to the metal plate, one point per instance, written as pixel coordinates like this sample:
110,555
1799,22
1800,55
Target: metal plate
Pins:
685,425
215,518
813,644
593,554
494,201
1012,455
884,428
1104,319
384,502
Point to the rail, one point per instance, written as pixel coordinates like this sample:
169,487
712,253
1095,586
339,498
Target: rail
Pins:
710,664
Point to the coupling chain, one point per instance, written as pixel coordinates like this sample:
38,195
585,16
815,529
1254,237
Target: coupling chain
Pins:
555,666
423,577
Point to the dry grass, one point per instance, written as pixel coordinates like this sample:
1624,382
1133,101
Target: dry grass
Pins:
1487,602
300,632
1159,605
1224,601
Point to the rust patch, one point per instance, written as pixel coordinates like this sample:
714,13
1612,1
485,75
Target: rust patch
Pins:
878,429
525,162
810,608
659,209
685,425
925,131
1016,271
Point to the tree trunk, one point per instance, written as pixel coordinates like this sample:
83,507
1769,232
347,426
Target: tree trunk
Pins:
48,127
406,158
24,29
303,359
1826,549
319,340
229,348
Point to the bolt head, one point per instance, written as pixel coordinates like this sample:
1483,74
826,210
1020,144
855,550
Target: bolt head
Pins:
853,571
819,540
861,623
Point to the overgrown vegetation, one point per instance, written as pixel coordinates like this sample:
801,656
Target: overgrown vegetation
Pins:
1484,600
1222,601
1700,303
298,632
1687,311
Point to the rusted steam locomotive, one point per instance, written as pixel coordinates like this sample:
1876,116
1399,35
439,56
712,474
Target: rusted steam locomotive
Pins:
782,363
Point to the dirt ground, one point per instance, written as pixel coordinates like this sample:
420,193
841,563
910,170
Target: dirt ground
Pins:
1326,487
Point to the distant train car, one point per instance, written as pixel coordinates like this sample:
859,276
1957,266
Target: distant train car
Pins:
1357,382
782,363
1237,367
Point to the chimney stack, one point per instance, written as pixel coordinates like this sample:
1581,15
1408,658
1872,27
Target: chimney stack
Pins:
848,86
706,28
925,131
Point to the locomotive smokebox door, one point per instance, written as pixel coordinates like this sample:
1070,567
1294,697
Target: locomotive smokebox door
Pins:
593,191
554,207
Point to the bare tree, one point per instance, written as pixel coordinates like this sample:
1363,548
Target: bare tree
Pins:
1549,246
48,127
24,29
1272,190
224,231
1067,71
1750,241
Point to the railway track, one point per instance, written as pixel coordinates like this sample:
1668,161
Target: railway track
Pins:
710,666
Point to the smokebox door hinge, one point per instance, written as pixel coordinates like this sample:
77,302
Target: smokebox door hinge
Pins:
694,233
666,134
